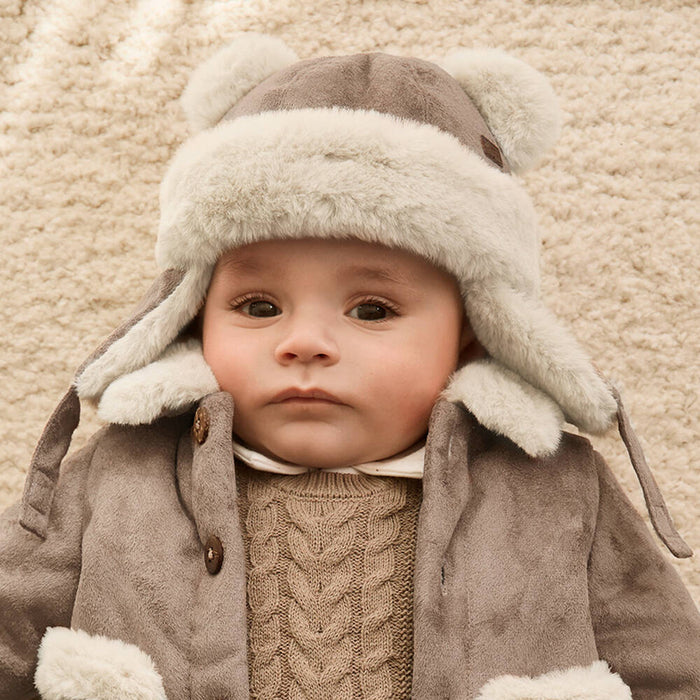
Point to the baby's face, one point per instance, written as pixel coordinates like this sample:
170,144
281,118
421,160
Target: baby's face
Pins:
366,334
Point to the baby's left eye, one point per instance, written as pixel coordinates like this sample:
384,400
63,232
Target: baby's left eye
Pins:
370,312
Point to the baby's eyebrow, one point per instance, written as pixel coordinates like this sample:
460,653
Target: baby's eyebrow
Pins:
375,274
372,273
236,266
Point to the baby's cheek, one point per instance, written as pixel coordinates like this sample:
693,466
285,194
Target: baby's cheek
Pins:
412,405
424,389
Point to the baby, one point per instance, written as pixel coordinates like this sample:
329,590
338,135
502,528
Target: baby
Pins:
334,464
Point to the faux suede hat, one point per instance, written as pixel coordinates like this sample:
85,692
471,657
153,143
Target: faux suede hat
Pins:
386,149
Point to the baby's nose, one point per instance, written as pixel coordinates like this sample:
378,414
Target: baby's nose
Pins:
307,341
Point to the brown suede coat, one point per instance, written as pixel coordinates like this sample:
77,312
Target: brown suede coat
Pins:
523,567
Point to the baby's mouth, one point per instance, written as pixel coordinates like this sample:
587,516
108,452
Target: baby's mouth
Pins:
308,395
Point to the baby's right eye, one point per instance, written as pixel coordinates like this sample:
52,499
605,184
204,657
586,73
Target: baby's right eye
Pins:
257,308
261,309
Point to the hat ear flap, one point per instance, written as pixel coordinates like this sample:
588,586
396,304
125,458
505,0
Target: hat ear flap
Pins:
221,81
516,101
177,379
525,336
506,404
169,305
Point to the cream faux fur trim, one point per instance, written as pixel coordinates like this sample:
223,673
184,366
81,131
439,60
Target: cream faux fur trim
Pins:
594,682
74,665
520,332
499,399
335,172
516,101
504,403
178,379
222,80
148,338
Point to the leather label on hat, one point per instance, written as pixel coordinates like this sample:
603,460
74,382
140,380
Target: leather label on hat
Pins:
491,151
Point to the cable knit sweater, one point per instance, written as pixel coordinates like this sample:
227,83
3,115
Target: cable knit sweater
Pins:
329,562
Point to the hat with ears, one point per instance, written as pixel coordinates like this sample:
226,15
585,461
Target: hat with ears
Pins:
419,155
387,149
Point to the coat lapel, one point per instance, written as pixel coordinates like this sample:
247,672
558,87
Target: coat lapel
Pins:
446,490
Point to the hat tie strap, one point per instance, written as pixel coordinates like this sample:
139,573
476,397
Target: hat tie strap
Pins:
46,463
658,512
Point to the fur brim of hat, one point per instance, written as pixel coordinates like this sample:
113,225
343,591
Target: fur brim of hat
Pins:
331,173
334,173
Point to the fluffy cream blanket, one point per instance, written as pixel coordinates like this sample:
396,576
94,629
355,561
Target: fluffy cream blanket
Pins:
90,118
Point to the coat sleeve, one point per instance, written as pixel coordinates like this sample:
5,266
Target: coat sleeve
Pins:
39,577
646,624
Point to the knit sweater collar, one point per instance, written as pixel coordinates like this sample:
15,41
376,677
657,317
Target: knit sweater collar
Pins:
408,463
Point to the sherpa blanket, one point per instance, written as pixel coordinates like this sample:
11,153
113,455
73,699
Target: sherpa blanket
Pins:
89,119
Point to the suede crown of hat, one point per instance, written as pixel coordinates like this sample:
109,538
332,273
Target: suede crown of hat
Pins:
405,152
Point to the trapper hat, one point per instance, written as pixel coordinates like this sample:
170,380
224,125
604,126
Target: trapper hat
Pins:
412,154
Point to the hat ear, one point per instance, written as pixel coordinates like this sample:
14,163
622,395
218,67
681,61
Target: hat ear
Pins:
516,101
221,81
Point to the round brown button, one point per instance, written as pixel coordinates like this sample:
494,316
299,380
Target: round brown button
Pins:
200,426
213,554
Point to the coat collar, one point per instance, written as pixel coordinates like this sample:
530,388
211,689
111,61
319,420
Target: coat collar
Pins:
55,440
498,398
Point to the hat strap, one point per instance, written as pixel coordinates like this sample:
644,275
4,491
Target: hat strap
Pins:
46,462
660,518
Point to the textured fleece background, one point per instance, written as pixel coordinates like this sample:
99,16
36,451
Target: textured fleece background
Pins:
90,118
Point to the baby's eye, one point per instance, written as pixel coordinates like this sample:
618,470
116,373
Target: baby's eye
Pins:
259,309
371,311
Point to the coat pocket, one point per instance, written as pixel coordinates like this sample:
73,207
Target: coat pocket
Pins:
74,665
594,682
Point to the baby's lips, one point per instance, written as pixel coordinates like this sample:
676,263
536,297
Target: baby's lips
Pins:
305,393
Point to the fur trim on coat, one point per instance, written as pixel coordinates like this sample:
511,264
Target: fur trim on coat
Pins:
74,665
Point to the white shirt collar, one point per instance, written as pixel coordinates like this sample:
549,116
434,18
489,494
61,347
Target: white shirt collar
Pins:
408,463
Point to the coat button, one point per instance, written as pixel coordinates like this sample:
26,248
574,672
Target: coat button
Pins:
213,554
200,426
